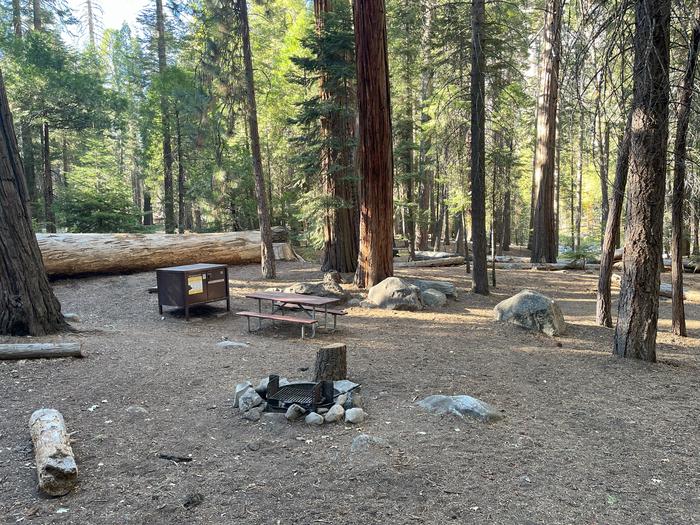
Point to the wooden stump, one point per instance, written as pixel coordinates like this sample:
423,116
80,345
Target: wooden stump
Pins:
55,463
331,363
40,350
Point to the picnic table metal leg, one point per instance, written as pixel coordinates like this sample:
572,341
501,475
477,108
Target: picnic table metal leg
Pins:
325,320
248,318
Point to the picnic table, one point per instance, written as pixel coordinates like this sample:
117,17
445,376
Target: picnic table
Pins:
281,303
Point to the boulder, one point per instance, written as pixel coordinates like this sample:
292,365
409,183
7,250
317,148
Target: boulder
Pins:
335,413
449,289
433,298
250,399
327,288
533,311
314,419
395,294
333,277
459,406
241,388
354,415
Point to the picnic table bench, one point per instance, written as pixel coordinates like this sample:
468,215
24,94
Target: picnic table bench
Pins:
283,302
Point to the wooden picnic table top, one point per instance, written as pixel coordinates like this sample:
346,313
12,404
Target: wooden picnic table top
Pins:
293,298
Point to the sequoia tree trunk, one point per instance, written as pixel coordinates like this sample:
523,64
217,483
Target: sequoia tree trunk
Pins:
480,282
168,194
27,303
267,254
544,247
635,333
375,154
337,164
679,172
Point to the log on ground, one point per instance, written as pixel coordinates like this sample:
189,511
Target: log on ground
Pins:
96,253
55,463
40,350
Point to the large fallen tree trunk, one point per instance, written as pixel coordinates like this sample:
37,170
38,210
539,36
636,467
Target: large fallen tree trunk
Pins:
55,463
445,261
40,350
83,253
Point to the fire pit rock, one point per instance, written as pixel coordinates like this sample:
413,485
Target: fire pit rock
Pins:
250,399
354,416
460,406
395,294
532,311
241,388
314,419
295,412
335,413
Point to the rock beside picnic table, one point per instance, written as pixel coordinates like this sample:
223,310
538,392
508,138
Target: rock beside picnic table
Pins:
395,294
327,288
532,311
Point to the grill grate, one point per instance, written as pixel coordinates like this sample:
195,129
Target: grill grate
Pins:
308,395
300,393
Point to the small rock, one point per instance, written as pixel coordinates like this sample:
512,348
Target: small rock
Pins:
342,399
355,416
335,413
356,400
322,410
72,318
364,442
249,399
354,302
295,412
193,500
314,419
433,298
135,409
231,344
253,414
332,276
241,388
368,304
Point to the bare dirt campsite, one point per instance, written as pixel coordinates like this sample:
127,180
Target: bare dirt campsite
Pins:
585,437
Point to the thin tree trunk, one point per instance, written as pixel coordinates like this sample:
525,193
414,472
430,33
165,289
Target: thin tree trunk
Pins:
17,18
375,154
480,282
91,22
679,173
426,89
36,14
604,160
635,333
695,250
544,248
180,177
49,214
27,303
147,208
267,254
612,229
168,194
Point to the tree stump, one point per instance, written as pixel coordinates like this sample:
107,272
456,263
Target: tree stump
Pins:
331,363
55,463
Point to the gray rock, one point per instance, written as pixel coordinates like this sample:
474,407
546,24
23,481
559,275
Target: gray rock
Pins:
449,289
395,294
323,289
241,388
365,442
72,318
355,416
533,311
335,413
354,302
332,277
253,414
314,419
136,410
344,385
433,298
250,399
355,400
341,399
231,344
459,406
295,412
322,410
367,304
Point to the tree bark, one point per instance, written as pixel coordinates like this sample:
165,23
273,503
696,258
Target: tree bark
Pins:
604,160
612,228
635,333
480,282
679,173
147,208
36,14
341,242
49,214
27,303
375,153
40,351
267,255
426,90
695,244
331,363
579,181
544,248
17,18
91,22
168,195
180,177
55,463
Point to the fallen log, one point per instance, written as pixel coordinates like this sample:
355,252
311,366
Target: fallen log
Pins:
445,261
67,254
55,463
40,350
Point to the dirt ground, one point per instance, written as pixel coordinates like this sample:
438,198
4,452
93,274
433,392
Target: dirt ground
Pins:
586,438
